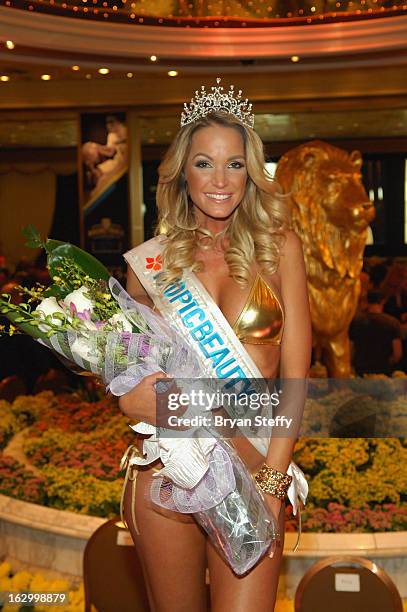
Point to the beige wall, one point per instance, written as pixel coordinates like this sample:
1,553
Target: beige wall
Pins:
27,195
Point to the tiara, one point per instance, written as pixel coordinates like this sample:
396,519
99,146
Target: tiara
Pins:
205,103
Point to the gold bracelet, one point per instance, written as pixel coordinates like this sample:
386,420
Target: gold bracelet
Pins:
272,481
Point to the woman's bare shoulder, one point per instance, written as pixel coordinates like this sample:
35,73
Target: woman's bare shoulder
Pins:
135,288
292,242
291,250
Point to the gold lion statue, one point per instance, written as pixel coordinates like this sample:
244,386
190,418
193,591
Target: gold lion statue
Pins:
331,214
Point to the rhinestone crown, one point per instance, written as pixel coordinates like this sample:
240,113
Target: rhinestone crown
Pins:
205,103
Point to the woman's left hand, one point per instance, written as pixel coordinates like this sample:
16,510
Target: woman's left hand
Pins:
274,504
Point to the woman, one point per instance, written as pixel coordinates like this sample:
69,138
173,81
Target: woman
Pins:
225,220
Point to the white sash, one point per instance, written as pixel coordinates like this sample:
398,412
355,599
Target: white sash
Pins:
189,308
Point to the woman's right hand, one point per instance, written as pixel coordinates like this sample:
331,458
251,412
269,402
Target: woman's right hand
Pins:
140,402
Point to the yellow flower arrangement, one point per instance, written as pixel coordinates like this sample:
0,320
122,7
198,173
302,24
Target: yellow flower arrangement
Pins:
36,582
5,569
8,423
79,465
71,489
354,471
27,408
20,581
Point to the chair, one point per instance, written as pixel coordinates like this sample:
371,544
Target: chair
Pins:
11,387
112,573
354,584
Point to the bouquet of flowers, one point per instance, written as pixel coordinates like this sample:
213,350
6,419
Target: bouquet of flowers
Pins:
89,320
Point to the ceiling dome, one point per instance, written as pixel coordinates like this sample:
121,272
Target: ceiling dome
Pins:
216,13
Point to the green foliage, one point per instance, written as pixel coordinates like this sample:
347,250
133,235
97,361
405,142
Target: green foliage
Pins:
58,251
34,239
23,318
104,303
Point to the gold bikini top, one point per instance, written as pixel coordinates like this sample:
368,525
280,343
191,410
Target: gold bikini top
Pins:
261,320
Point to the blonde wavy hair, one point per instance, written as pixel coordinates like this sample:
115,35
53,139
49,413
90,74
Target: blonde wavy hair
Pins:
255,230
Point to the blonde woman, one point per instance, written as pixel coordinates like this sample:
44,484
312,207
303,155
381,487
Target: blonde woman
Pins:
227,225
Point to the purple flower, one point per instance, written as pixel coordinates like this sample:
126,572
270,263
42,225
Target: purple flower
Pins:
144,347
126,338
84,315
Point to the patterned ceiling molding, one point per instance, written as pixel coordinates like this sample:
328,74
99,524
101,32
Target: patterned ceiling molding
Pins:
111,39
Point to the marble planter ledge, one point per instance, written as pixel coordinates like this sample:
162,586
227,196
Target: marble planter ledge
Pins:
50,520
382,544
55,540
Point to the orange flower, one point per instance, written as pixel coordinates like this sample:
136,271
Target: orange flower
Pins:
154,263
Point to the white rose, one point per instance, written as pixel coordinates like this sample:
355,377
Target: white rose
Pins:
82,349
120,318
79,300
49,306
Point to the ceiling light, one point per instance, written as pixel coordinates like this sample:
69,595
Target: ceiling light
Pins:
9,44
153,58
4,77
129,75
75,68
172,73
88,76
295,58
46,77
103,70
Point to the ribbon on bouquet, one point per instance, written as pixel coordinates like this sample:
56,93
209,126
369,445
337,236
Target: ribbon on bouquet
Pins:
189,308
197,472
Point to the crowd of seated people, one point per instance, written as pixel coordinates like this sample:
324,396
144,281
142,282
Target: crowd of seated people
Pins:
378,332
